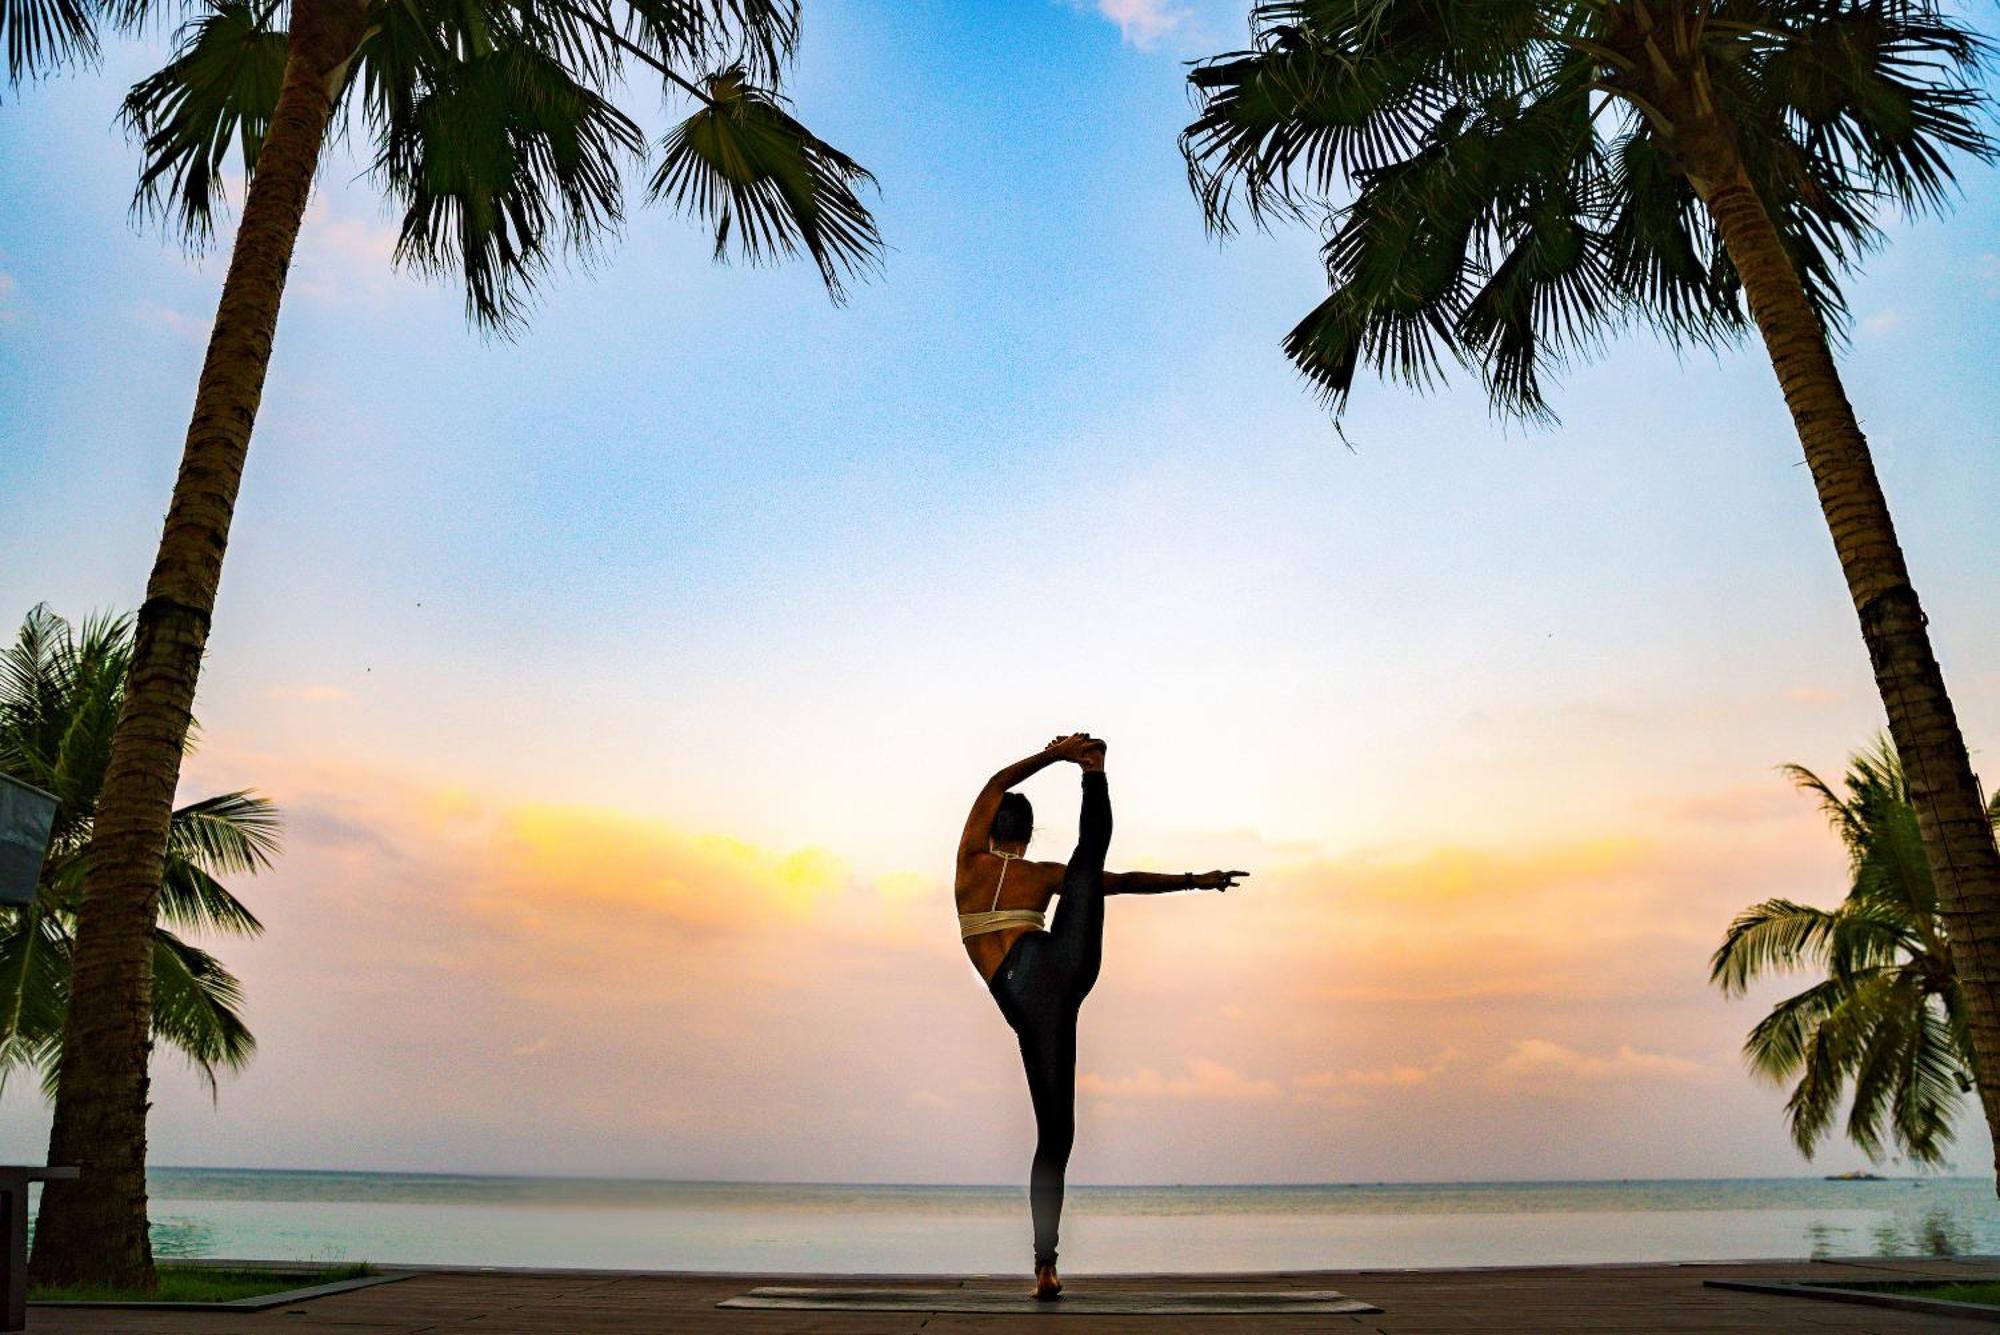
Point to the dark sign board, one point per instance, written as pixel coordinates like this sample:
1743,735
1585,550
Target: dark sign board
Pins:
26,816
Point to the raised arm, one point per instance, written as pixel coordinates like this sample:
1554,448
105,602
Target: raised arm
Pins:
1165,882
979,821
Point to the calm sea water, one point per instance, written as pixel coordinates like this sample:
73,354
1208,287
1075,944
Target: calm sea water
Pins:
387,1217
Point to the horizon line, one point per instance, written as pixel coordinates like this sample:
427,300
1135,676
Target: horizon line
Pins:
1086,1186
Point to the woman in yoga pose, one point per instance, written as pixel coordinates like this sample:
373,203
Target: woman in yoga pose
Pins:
1040,977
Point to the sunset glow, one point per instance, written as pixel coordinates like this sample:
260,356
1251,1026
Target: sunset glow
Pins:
624,687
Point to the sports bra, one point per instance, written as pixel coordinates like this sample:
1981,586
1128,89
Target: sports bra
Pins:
997,919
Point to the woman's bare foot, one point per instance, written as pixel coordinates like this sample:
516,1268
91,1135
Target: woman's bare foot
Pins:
1047,1287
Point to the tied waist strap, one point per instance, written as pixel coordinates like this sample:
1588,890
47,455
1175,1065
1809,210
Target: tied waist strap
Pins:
978,924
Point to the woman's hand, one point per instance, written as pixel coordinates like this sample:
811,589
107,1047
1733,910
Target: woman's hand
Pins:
1219,880
1075,747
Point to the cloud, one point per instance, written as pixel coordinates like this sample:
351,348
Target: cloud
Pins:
1882,322
344,259
312,693
1143,23
185,328
1815,695
638,992
906,886
1749,804
1538,1059
1337,1088
1205,1081
544,859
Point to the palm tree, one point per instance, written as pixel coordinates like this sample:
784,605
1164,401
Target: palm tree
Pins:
1890,1016
60,687
1527,177
491,126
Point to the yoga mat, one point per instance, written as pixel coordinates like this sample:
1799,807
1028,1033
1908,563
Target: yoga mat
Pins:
1087,1300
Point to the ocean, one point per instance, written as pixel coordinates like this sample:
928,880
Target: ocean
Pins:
729,1226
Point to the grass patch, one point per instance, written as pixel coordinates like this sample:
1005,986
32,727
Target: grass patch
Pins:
1981,1291
200,1284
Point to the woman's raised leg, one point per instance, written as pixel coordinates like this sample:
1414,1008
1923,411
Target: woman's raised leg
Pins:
1077,933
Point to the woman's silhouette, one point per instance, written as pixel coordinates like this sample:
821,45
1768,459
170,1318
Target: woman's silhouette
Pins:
1040,977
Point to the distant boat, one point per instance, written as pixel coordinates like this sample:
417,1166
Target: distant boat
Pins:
1856,1176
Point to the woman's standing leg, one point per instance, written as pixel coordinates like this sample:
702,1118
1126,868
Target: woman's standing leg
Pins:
1071,956
1048,1051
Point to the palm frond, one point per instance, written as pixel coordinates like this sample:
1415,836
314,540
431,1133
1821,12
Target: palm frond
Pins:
767,184
1663,248
34,988
759,34
214,98
1855,1038
196,1008
1888,1019
1846,823
502,162
1928,1088
193,900
1883,1038
1283,124
1886,94
95,690
1827,1057
61,686
235,833
44,36
1777,1046
33,674
1536,196
1893,868
1772,935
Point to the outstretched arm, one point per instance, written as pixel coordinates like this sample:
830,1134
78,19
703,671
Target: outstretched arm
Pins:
984,807
1164,882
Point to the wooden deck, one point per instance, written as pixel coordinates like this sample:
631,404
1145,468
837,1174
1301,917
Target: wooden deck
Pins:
1553,1299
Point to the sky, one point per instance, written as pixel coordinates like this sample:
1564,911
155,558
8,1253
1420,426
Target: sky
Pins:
624,685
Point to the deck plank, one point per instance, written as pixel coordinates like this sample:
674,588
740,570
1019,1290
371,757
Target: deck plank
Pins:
1518,1299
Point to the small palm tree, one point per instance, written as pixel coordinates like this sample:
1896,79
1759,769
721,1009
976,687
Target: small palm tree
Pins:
493,127
1527,178
1889,1019
60,687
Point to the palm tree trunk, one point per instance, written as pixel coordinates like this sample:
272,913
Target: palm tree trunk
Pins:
94,1230
1958,838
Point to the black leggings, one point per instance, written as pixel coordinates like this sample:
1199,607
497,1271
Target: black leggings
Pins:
1040,986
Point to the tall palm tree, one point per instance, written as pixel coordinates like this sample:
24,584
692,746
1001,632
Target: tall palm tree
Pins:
60,688
492,126
1528,177
1889,1016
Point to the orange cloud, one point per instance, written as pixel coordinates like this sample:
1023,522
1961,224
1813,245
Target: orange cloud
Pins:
1746,805
568,856
1204,1080
1539,1059
599,977
1336,1088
